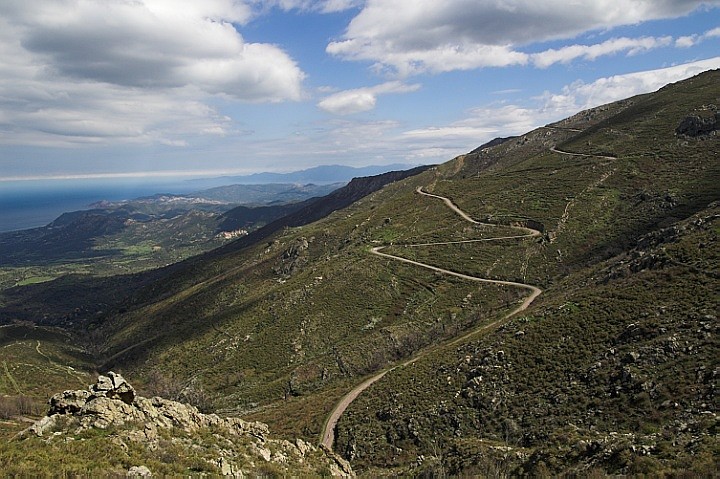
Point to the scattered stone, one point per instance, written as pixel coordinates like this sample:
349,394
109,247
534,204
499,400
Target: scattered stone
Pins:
139,471
44,425
303,446
632,357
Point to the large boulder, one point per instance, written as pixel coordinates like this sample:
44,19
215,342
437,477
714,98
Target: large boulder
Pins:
112,401
101,412
113,386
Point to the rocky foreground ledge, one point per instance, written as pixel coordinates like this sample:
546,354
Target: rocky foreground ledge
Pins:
237,448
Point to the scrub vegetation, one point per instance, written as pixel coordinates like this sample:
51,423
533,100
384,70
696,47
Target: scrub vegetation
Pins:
612,370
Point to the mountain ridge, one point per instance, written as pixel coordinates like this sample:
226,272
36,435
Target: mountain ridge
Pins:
322,174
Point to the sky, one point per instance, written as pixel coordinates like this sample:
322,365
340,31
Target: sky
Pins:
126,88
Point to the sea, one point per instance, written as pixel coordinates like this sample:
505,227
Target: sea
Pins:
26,204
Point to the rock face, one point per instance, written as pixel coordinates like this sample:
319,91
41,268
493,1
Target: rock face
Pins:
112,402
695,125
113,386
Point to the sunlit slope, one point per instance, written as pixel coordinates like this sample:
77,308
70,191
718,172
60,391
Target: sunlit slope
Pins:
594,206
309,308
613,369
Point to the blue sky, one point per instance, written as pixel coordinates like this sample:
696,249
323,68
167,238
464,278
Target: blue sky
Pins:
170,87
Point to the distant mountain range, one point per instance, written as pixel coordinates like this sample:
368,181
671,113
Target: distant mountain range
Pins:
318,175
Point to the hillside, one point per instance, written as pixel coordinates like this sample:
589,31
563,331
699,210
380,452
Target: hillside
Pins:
144,233
612,369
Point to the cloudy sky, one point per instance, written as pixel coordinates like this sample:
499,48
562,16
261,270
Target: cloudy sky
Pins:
117,87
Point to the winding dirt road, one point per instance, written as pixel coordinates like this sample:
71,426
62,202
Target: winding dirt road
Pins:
328,435
586,155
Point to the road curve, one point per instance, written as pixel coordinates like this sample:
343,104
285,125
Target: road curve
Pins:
586,155
328,434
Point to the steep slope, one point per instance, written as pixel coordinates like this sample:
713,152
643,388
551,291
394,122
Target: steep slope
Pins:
615,367
309,310
615,370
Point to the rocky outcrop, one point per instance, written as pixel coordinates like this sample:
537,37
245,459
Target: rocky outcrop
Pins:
294,257
696,125
112,404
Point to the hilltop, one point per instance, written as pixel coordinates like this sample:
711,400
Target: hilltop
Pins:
610,370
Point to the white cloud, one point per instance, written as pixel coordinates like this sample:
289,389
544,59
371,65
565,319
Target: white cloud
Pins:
590,52
609,89
322,6
90,71
686,41
156,43
690,40
484,123
330,6
354,141
361,99
412,36
714,33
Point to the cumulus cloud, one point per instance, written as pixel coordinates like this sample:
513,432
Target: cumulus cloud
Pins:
322,6
485,122
590,52
411,36
714,33
691,40
90,71
357,141
362,99
581,96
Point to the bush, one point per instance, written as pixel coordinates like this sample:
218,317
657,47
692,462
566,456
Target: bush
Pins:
21,405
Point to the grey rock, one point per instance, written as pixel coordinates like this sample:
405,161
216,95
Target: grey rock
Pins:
43,426
101,412
303,446
107,403
103,384
113,386
228,469
139,471
68,402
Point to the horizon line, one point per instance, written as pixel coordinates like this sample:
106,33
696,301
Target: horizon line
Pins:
133,174
163,174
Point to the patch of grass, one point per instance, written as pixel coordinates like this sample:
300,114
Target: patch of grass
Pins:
34,280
